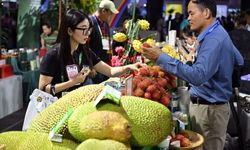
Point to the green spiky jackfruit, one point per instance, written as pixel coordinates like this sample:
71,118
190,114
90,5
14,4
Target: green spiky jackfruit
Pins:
94,144
17,140
150,121
83,110
48,118
105,125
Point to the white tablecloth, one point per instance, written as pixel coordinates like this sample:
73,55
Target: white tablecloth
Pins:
11,95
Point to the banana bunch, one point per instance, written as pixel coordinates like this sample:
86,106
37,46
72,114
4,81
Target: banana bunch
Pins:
120,37
144,24
136,44
168,49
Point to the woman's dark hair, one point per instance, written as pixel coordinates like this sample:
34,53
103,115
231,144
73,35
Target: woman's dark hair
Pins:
187,31
71,19
210,4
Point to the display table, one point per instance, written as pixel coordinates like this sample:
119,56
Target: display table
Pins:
11,95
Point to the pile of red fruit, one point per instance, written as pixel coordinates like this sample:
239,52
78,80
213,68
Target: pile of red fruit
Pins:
184,140
154,84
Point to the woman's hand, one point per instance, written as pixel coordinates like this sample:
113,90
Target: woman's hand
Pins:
135,66
81,76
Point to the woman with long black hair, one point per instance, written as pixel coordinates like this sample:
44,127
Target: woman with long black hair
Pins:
68,65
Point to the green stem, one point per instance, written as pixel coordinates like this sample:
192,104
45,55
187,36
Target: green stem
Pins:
133,17
131,32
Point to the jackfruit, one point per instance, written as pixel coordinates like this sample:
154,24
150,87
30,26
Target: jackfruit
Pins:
17,140
105,125
83,110
48,118
94,144
150,121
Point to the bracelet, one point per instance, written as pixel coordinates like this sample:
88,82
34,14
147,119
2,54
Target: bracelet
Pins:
52,90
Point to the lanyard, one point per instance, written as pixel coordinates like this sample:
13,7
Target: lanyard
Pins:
80,58
80,62
212,28
99,28
107,29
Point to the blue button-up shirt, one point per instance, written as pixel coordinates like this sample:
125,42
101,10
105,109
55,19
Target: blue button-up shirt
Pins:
211,75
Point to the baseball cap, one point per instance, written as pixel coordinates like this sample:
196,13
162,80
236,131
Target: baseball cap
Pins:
107,4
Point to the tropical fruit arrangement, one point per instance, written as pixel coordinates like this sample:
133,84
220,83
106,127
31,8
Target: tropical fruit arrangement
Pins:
135,121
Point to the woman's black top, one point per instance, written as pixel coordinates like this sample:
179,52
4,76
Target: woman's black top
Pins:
51,65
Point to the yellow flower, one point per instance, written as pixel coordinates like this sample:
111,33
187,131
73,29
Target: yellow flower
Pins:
137,45
151,42
126,25
120,37
144,24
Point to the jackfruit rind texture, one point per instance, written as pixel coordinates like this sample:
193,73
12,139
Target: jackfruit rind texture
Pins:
83,110
48,118
151,122
95,144
105,125
17,140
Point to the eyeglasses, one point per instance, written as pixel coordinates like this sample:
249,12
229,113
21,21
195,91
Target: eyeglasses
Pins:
85,31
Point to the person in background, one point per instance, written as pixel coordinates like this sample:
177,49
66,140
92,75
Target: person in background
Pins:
210,75
48,37
247,17
160,27
100,38
241,37
183,24
68,64
175,23
187,45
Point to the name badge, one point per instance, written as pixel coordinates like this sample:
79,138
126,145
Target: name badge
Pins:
72,71
105,44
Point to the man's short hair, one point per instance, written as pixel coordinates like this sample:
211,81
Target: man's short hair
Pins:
210,4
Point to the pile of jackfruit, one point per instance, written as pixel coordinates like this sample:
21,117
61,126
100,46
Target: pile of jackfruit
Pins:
135,122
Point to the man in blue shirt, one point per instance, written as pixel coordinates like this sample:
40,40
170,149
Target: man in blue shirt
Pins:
210,76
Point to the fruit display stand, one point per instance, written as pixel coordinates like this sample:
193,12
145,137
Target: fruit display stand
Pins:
154,84
11,96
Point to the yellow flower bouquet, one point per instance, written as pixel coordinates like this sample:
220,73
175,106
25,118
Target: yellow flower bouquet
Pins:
132,42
